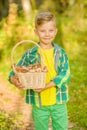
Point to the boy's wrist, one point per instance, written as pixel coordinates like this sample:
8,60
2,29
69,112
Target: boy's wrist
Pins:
50,84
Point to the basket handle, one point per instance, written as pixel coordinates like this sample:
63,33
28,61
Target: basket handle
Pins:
19,43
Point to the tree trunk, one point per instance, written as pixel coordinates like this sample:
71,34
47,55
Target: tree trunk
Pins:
71,2
4,6
26,4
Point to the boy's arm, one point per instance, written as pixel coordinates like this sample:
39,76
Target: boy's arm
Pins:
14,80
12,77
63,75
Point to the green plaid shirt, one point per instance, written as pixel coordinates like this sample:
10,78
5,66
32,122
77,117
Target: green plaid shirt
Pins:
63,74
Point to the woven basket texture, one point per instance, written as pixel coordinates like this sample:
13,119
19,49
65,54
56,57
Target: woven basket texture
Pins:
30,80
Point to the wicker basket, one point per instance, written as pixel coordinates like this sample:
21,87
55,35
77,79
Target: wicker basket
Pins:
31,80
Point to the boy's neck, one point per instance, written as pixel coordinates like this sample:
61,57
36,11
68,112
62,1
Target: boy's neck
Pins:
46,46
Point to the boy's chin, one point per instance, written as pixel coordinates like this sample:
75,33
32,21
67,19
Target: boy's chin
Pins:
46,42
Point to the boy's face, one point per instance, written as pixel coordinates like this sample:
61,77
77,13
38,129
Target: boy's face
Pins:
46,32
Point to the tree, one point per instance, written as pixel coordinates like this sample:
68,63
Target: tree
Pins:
27,8
4,6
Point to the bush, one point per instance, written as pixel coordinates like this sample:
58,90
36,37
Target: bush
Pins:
10,121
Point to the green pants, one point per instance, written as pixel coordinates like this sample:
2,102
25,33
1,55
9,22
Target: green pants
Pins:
58,114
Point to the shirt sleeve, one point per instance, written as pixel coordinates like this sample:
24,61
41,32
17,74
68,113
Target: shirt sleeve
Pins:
22,61
63,75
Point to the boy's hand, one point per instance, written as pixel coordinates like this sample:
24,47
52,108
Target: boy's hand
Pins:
39,89
16,82
49,85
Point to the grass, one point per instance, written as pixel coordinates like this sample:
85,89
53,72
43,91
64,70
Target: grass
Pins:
10,121
77,105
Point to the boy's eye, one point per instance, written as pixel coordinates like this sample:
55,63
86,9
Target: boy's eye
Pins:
51,30
42,30
45,31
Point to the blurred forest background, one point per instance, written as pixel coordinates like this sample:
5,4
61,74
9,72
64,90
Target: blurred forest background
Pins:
16,24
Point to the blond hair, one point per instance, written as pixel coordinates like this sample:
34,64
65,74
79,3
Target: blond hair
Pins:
44,17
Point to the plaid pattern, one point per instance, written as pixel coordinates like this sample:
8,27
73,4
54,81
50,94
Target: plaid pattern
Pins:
63,74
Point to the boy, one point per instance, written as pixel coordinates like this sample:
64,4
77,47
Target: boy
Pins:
50,101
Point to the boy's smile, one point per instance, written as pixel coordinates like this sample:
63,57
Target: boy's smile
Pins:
46,32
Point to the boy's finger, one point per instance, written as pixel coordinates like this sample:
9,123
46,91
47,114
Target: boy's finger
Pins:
21,87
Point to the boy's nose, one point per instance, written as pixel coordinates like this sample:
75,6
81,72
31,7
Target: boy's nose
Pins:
47,33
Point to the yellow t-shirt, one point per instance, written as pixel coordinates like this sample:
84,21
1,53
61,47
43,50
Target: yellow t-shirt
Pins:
48,96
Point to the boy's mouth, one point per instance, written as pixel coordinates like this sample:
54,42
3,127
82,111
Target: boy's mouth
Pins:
47,38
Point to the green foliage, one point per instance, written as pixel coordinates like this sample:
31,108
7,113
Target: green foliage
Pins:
77,104
11,32
9,121
74,40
